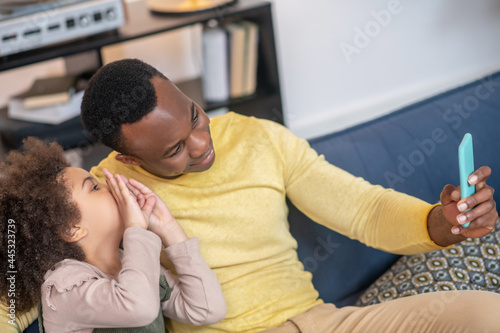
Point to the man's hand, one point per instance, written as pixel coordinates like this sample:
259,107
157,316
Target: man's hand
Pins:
445,222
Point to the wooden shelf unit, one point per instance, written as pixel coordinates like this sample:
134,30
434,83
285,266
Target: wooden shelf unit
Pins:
265,103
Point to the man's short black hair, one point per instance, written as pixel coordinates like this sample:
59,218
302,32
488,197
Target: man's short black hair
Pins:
118,93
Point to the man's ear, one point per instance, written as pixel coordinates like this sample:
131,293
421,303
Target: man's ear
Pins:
126,159
76,233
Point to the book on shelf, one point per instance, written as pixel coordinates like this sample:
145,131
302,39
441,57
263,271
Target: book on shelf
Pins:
48,91
251,57
50,100
236,47
52,114
230,56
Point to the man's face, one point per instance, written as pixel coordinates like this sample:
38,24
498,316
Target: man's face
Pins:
173,139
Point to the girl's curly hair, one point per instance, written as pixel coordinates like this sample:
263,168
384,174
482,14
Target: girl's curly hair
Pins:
36,211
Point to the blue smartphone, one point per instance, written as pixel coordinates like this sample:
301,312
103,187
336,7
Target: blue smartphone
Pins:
466,166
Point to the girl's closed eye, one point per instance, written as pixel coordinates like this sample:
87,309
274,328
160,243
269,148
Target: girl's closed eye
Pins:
95,187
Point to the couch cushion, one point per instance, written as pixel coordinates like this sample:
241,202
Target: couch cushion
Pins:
471,265
413,150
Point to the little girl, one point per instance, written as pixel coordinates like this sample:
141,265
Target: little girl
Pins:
68,229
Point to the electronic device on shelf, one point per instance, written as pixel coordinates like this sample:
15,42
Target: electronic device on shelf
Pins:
186,7
30,24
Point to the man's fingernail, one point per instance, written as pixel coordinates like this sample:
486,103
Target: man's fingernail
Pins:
461,218
472,180
462,207
455,230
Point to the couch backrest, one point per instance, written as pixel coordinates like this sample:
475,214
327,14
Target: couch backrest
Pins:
413,150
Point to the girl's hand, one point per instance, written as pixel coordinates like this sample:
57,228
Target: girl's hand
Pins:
131,213
161,221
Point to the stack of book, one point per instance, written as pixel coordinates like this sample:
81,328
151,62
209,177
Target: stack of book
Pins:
230,61
50,100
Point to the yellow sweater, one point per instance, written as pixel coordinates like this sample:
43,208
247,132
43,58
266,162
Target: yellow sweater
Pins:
21,322
237,210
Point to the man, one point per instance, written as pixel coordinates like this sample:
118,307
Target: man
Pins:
226,181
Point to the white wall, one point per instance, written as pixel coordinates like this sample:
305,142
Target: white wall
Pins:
424,48
177,54
420,49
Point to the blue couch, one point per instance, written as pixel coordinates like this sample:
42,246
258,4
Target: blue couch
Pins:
413,150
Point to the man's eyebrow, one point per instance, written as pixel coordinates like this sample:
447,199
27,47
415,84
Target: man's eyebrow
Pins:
169,149
89,178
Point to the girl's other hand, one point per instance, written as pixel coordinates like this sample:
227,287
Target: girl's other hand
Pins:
133,213
161,220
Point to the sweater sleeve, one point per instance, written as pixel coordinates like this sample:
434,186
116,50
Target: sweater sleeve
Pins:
77,296
379,217
15,322
196,297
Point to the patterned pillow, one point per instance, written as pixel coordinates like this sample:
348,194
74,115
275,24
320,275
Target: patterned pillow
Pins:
474,264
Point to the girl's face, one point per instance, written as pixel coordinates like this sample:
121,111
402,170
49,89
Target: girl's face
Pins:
100,215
